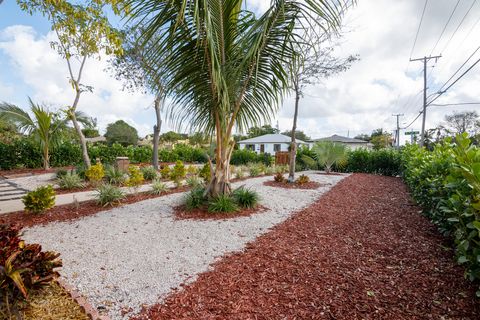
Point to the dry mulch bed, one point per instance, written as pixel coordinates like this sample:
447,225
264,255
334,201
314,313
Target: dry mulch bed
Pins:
363,251
72,211
286,185
181,213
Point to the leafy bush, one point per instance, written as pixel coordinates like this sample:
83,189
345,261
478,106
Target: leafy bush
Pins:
40,199
446,183
384,161
95,173
302,179
179,172
222,203
254,170
243,156
149,173
135,177
205,172
114,175
109,195
269,170
23,266
165,172
80,170
195,198
192,170
70,181
158,187
278,177
60,173
246,198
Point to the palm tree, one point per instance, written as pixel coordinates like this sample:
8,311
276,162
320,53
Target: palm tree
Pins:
45,126
225,67
328,153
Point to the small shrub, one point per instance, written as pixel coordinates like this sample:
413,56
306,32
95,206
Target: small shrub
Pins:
246,198
114,175
239,174
302,179
158,187
269,170
135,177
205,172
95,173
179,172
254,170
60,173
195,198
194,181
165,172
108,195
40,199
222,203
149,173
70,181
192,170
80,170
23,267
278,177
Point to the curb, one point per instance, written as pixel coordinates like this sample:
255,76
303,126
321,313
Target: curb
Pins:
86,306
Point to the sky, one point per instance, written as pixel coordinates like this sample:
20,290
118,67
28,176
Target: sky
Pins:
383,82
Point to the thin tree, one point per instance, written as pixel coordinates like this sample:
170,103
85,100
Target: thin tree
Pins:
83,32
314,60
226,66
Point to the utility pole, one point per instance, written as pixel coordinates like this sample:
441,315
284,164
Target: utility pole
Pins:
397,133
424,113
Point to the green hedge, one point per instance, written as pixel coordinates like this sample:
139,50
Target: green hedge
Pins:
446,183
385,162
244,156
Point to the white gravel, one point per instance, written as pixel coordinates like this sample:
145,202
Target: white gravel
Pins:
35,181
136,254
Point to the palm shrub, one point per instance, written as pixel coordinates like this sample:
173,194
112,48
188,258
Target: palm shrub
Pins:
39,200
246,198
149,173
70,181
114,175
158,187
222,203
108,195
328,153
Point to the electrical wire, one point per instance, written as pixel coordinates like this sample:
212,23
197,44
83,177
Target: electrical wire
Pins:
458,27
445,27
418,29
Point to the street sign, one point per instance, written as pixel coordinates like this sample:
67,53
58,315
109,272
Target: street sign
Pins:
409,133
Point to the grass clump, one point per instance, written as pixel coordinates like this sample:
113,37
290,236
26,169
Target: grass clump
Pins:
109,195
149,173
246,198
158,187
195,198
194,181
222,203
70,181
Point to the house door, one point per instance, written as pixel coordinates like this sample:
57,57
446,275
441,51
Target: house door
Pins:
262,148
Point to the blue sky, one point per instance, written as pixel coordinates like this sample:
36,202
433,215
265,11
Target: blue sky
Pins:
358,101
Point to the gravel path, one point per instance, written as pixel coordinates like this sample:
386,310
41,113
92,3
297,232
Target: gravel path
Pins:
136,254
35,181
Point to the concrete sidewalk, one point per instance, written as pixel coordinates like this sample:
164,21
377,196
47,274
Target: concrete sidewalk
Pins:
62,199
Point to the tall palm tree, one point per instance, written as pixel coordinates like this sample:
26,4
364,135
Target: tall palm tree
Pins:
225,67
45,126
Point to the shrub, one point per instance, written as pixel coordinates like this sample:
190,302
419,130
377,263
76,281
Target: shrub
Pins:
246,198
384,161
149,173
239,174
108,195
205,172
278,177
70,181
302,179
60,173
158,187
222,203
95,173
269,170
114,175
243,156
178,172
40,199
254,170
135,177
194,181
165,172
281,169
23,266
192,170
195,198
80,170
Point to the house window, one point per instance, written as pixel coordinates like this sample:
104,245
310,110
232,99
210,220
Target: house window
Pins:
250,147
277,147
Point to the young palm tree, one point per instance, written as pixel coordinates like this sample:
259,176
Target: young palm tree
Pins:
44,126
328,153
225,67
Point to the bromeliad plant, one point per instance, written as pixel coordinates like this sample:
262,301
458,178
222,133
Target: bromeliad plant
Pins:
23,267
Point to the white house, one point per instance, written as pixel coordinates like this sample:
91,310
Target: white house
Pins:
268,143
349,142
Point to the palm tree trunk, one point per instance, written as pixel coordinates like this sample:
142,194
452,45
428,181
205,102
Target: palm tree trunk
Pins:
220,177
293,143
156,129
46,157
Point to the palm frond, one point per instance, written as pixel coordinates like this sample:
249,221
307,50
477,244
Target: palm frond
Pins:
17,116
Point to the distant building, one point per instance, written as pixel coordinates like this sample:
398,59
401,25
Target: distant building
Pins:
268,143
349,142
96,139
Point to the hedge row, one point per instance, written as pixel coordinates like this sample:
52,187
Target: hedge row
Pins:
385,162
446,183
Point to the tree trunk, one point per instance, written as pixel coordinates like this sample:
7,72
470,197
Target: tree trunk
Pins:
46,157
156,129
293,144
83,142
220,175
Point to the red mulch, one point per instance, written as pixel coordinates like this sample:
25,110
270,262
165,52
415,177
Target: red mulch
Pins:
286,185
72,212
363,251
181,213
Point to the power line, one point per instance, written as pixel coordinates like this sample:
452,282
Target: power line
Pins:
445,27
418,29
458,27
419,114
459,68
454,104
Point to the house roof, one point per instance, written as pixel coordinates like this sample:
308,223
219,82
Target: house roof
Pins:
270,138
337,138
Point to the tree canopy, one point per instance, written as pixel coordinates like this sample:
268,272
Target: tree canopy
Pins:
121,132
